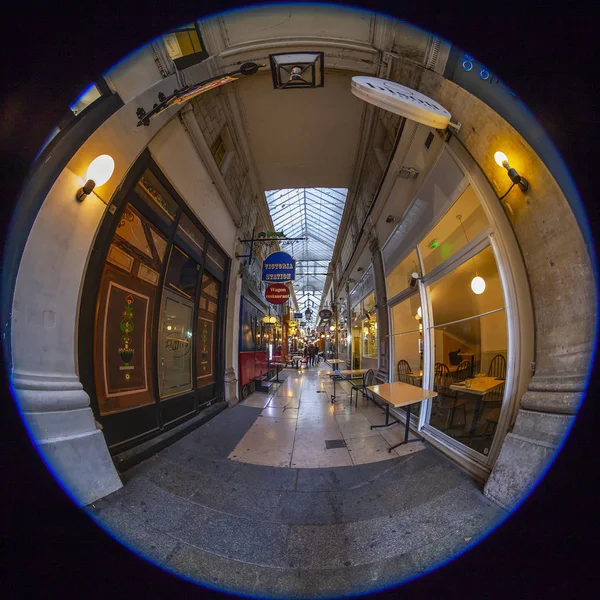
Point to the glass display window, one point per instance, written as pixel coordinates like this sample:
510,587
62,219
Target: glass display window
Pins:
470,351
463,222
398,279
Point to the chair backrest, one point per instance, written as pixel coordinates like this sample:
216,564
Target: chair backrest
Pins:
441,375
369,376
403,368
497,367
463,371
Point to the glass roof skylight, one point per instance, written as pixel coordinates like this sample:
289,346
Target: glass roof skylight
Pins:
314,213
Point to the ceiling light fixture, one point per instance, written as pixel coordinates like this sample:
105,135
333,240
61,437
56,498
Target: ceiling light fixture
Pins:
297,70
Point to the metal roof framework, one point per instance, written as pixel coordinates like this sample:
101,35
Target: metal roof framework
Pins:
314,213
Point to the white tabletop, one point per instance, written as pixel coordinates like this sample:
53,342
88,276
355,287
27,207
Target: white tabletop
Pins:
399,394
479,385
334,361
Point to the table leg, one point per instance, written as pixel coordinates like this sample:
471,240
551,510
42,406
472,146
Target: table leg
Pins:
333,397
406,431
387,418
476,416
277,374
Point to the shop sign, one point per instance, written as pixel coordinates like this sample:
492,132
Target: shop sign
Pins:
271,234
277,293
279,266
298,316
401,100
325,314
293,324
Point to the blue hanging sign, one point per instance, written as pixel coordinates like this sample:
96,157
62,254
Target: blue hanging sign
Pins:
298,316
278,267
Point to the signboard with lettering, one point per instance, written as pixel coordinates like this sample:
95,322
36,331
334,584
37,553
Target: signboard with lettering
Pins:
277,293
325,314
298,316
401,100
279,266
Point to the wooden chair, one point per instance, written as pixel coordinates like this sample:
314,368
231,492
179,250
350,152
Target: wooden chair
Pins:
463,371
497,368
447,400
403,369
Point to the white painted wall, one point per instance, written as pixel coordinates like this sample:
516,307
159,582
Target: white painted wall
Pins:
290,21
178,160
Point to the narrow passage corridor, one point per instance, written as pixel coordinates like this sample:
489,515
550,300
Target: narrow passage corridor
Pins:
252,502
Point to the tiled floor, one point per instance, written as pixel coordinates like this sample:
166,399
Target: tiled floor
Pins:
298,417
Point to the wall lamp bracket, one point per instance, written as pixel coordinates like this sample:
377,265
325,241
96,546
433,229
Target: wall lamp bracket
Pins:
86,190
502,161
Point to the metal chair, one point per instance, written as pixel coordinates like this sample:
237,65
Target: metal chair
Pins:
368,381
403,369
447,399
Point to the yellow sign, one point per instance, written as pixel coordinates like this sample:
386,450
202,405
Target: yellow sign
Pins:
293,324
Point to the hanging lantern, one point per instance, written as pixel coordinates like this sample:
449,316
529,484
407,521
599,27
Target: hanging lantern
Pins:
478,285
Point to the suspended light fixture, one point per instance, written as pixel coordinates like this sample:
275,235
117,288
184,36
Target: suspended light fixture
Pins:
477,283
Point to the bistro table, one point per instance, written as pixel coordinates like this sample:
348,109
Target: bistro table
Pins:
334,361
295,360
479,386
398,394
278,366
347,375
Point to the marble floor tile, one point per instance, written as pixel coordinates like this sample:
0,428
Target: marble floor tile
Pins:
368,449
281,401
280,412
355,425
257,400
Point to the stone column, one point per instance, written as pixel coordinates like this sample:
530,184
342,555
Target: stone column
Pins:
232,326
53,404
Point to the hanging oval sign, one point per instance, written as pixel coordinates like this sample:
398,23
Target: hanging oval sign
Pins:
325,314
401,100
279,266
277,293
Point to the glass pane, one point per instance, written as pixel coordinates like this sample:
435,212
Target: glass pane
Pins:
137,248
407,344
357,332
405,313
215,259
175,346
343,344
448,236
369,302
91,94
153,193
452,297
397,280
191,234
370,349
206,342
182,273
469,376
